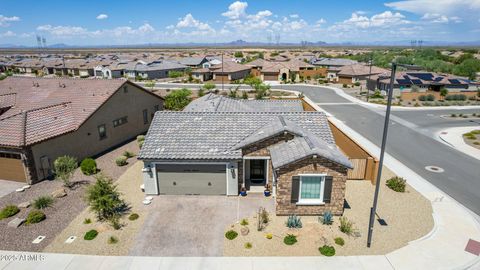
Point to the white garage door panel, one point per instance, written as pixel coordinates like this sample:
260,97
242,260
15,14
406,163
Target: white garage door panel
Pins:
192,179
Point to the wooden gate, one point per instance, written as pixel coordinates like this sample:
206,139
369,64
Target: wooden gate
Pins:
359,169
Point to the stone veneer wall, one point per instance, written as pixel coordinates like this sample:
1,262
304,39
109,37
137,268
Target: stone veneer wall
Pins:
284,206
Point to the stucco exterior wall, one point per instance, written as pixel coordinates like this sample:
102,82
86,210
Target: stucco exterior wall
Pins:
85,141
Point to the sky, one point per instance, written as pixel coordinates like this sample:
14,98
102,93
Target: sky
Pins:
140,22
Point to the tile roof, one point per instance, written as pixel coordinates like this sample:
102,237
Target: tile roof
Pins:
217,103
192,61
332,62
47,107
360,70
228,67
213,136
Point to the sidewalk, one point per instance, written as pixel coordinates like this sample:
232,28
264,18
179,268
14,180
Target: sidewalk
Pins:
454,138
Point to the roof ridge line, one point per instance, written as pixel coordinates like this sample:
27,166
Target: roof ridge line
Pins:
48,106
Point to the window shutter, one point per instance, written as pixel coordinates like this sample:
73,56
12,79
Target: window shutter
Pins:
295,189
327,192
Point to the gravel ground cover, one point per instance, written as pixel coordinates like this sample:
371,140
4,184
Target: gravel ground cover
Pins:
408,215
129,185
62,212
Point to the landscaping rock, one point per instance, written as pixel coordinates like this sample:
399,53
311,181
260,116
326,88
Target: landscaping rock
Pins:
24,205
244,231
16,222
59,193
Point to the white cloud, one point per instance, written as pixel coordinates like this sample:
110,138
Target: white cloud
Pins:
439,18
102,16
447,7
121,31
8,34
236,10
320,21
294,16
5,21
63,30
381,20
190,22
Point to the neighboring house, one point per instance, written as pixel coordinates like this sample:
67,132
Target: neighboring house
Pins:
333,65
420,79
111,70
217,103
193,62
218,153
155,70
202,74
44,118
229,72
357,72
293,70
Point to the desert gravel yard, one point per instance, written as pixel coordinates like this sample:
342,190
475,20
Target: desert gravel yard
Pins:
192,225
129,186
63,210
408,215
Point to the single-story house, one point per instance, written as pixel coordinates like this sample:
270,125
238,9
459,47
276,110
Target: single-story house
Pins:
111,70
202,74
44,118
283,71
219,153
193,62
229,72
155,70
420,79
351,74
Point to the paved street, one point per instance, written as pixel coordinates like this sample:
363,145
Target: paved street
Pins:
410,140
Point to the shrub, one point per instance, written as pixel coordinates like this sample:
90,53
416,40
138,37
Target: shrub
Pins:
294,222
327,218
112,240
87,221
90,235
290,239
121,161
264,216
396,184
327,250
248,245
209,86
64,167
140,138
88,166
244,222
178,99
346,226
140,144
35,216
269,236
422,98
231,234
430,97
133,216
128,154
43,202
357,83
104,199
453,115
339,241
8,211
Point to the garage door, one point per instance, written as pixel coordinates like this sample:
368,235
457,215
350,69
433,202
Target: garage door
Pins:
192,179
11,167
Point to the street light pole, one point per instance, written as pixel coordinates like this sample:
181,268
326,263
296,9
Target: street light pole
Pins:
373,210
222,72
369,74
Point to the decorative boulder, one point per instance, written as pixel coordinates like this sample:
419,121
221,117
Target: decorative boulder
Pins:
24,205
16,222
244,231
59,193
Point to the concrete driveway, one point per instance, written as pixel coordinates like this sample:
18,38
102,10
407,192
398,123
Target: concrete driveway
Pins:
7,187
193,225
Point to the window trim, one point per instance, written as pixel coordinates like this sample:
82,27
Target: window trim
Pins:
120,121
318,201
145,116
105,131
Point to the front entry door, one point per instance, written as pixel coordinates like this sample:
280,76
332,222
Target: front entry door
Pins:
257,171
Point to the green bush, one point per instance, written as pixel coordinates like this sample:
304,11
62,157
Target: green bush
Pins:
430,97
357,84
422,98
140,144
346,226
121,161
290,239
178,99
344,85
88,166
133,216
248,245
231,234
90,235
140,138
87,221
35,216
64,167
8,211
327,250
128,154
43,202
339,241
396,184
244,222
112,240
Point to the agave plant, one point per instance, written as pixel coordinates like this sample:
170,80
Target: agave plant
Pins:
294,222
327,218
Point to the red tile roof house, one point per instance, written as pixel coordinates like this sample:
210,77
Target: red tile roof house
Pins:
209,149
42,119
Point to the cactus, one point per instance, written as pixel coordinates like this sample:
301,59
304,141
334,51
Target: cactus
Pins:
294,222
327,218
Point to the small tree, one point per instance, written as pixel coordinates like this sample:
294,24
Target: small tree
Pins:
104,200
178,99
150,84
261,90
209,86
244,95
443,93
63,168
238,54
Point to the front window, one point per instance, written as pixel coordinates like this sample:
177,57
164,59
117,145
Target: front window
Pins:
311,188
145,117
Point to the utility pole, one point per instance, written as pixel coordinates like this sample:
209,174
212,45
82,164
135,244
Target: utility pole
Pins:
222,71
373,210
369,74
